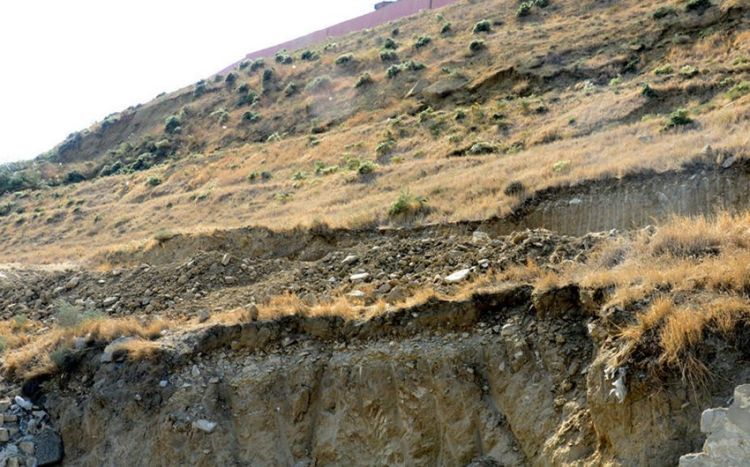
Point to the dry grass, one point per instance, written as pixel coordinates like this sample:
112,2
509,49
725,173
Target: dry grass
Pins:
32,354
211,190
690,278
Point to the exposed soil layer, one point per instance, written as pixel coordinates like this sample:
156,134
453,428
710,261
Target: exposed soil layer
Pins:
444,383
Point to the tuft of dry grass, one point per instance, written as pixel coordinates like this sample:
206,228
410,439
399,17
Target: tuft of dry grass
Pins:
33,355
691,277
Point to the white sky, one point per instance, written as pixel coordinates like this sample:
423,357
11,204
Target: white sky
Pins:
65,64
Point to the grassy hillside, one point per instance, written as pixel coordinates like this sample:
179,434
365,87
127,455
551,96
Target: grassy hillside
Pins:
445,117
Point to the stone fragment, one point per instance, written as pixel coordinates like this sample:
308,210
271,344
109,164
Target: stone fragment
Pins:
458,276
205,426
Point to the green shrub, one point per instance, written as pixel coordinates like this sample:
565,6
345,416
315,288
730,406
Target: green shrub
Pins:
64,358
739,90
257,64
679,117
255,176
540,3
344,60
291,89
153,181
319,83
390,44
385,147
648,92
561,166
411,65
268,75
244,64
249,98
524,9
422,41
250,117
172,124
231,78
68,315
614,82
364,80
284,58
407,204
665,69
393,71
322,169
446,29
688,71
309,56
477,46
388,56
200,88
366,167
74,176
299,175
482,26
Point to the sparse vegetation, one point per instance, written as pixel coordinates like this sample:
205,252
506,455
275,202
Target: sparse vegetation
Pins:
739,90
407,204
679,117
388,56
173,124
477,46
319,84
364,80
688,71
482,26
345,60
422,41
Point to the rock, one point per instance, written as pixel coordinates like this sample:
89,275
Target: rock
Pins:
484,263
195,372
225,259
109,301
480,237
27,447
356,294
575,201
384,289
230,280
205,426
663,199
4,435
48,447
252,312
23,403
458,276
359,277
728,162
73,283
728,431
351,259
203,316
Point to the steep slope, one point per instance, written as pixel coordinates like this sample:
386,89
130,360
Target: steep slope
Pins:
572,92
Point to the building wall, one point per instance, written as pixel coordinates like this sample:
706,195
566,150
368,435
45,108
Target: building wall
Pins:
384,15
